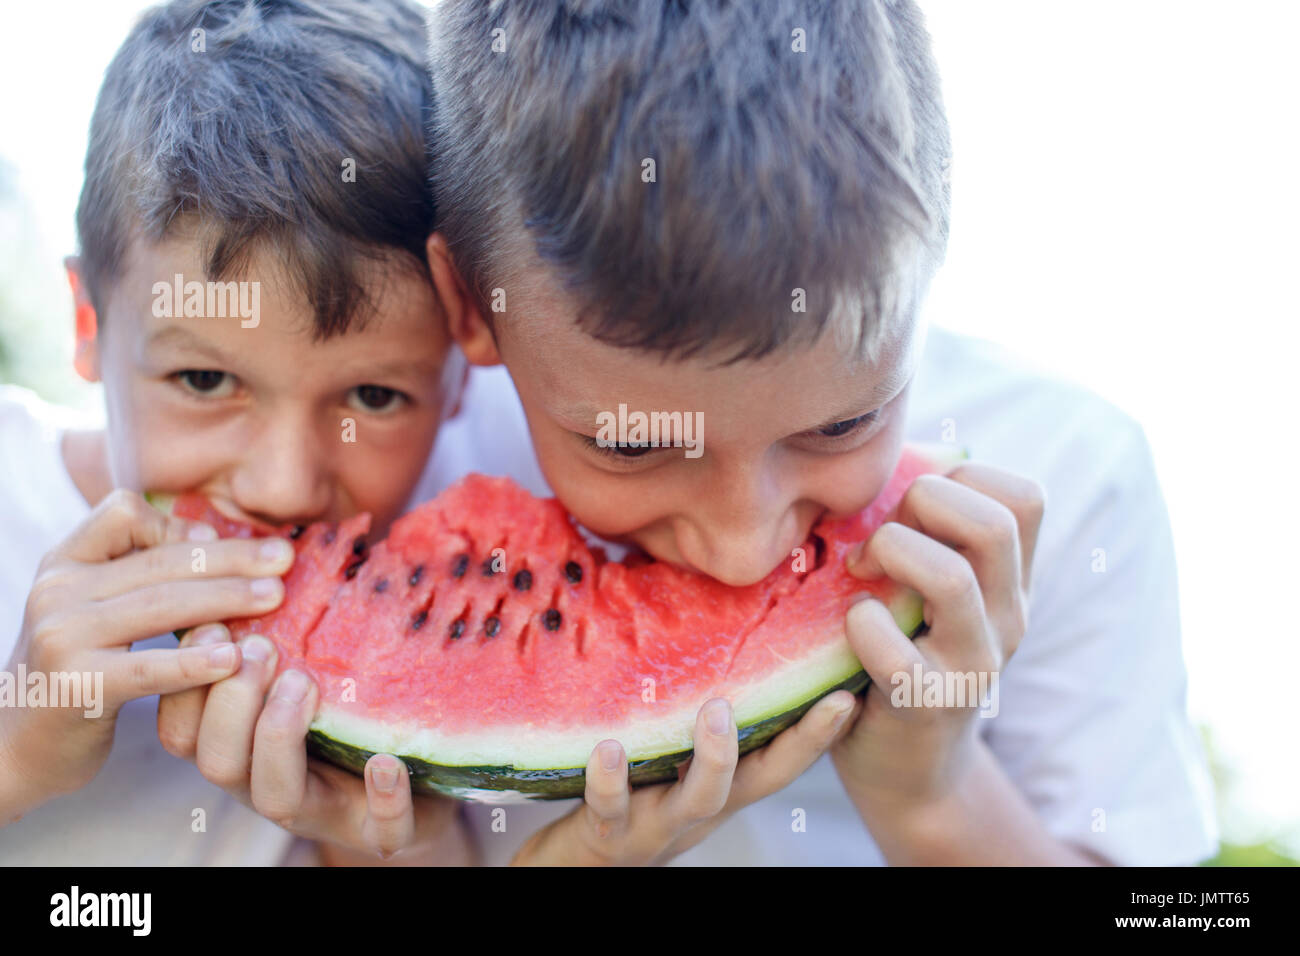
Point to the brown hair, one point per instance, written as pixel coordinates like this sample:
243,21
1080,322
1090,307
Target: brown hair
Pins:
240,115
775,169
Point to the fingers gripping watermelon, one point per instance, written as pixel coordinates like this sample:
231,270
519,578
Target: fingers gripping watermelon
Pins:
487,645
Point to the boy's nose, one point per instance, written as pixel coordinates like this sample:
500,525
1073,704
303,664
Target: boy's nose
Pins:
741,534
737,559
283,477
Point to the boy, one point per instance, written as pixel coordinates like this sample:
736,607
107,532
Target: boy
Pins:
252,293
736,208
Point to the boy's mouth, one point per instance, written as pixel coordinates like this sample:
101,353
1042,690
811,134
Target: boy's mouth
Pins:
229,509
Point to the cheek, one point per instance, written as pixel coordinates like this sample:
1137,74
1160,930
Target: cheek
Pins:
608,504
150,446
384,491
848,483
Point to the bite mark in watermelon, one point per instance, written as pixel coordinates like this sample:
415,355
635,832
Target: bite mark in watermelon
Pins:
494,673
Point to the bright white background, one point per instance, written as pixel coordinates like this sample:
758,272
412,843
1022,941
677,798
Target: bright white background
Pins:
1125,213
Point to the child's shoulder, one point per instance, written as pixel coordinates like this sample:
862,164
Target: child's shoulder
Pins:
1093,704
39,502
975,388
1022,417
33,476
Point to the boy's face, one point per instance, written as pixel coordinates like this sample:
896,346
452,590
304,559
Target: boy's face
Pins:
260,416
784,441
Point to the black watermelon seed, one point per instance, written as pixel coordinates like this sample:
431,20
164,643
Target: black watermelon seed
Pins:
573,571
329,536
351,571
523,580
381,585
457,629
492,625
552,620
488,567
418,621
460,566
296,531
416,575
359,546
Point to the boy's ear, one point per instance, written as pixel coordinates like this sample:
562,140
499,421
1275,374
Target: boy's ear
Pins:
86,323
465,322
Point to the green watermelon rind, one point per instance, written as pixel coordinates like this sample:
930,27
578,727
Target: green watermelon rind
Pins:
496,783
509,784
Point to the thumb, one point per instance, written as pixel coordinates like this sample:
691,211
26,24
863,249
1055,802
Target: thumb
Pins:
124,522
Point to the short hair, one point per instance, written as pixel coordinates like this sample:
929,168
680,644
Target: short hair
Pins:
775,170
239,115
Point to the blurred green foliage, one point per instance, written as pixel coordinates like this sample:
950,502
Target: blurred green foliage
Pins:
1268,852
1261,854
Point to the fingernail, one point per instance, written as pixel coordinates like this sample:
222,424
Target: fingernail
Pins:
201,532
841,715
209,634
257,649
717,718
611,755
861,605
275,551
264,587
855,556
292,687
385,778
223,656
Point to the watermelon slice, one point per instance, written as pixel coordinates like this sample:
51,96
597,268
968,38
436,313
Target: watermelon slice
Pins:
490,648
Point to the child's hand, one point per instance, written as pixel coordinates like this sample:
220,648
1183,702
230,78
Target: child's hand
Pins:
653,824
126,574
966,543
253,746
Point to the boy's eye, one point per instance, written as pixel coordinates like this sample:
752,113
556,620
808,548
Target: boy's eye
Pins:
620,450
204,381
377,398
837,429
628,449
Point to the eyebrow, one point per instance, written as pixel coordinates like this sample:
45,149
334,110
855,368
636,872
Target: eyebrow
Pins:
880,396
178,336
421,368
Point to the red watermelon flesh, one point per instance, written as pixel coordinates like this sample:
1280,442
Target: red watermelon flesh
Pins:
491,648
323,552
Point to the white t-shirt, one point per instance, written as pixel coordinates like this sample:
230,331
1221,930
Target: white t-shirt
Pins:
1092,723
